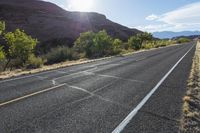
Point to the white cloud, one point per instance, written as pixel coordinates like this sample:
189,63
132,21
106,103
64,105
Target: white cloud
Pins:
184,18
152,17
154,27
189,14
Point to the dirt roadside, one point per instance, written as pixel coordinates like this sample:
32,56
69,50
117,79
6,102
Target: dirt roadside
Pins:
191,108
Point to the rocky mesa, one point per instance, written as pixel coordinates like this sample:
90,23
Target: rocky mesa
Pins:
53,25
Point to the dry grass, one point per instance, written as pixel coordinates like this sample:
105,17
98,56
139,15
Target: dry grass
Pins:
191,107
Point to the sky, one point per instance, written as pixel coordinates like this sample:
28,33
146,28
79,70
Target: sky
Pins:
146,15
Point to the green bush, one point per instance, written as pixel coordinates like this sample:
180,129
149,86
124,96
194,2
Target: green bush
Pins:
18,46
34,62
60,54
137,42
85,43
2,27
96,44
117,46
183,40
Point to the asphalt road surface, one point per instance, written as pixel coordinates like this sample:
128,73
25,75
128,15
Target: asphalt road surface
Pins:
140,93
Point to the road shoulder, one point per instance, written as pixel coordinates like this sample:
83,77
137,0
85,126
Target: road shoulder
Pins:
191,107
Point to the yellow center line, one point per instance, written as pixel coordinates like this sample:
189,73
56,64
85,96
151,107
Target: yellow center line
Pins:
30,95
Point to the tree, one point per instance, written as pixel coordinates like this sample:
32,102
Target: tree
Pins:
145,37
20,46
94,44
103,44
85,43
137,41
2,27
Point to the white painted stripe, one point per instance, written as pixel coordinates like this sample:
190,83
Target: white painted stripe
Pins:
130,116
30,95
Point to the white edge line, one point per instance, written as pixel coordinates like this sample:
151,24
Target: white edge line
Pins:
30,95
123,124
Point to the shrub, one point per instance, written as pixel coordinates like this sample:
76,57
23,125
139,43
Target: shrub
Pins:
95,44
183,40
161,43
15,63
103,45
18,46
2,27
85,43
135,43
34,62
125,46
117,46
60,54
149,45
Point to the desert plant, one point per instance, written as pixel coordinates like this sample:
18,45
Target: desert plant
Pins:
34,62
117,46
183,40
135,43
60,54
95,44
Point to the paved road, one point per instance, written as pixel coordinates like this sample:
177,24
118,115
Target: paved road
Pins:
96,97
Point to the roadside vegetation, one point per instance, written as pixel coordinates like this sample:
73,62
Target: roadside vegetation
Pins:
191,106
18,50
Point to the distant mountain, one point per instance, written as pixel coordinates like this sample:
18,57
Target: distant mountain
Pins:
53,25
170,34
189,37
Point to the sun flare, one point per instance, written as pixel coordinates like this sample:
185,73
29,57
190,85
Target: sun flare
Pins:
82,5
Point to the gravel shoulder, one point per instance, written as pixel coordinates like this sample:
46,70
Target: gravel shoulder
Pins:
191,107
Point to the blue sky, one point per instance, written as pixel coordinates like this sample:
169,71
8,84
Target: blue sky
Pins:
146,15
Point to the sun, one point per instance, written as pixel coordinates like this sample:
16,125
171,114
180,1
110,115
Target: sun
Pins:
82,5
